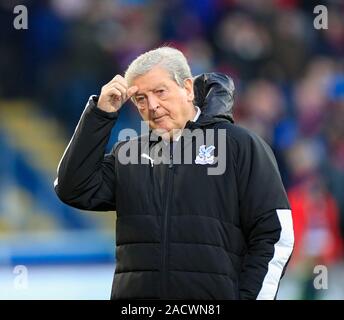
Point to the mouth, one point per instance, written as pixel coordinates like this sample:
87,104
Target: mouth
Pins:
159,118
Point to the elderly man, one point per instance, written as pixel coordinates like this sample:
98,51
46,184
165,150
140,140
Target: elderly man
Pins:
183,231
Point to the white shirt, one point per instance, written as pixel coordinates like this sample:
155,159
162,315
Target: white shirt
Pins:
198,113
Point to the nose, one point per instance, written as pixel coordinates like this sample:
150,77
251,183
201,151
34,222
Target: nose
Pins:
153,103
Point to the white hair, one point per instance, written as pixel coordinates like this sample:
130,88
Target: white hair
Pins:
168,58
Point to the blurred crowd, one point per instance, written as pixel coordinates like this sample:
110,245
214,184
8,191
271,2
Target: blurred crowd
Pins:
289,81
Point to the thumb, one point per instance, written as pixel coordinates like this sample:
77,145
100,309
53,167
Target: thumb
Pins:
131,91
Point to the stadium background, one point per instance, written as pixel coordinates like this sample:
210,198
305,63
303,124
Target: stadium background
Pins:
290,90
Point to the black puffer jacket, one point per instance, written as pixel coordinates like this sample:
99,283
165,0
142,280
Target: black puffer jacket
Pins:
181,232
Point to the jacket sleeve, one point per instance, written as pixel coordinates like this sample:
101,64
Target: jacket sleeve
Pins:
265,218
85,175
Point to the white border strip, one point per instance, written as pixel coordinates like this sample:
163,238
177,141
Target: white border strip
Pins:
283,250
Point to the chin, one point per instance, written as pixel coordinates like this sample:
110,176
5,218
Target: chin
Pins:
164,131
161,126
160,129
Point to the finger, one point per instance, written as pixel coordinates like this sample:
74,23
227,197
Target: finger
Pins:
116,93
118,78
131,91
121,88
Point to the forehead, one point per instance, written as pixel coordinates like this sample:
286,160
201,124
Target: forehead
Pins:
153,78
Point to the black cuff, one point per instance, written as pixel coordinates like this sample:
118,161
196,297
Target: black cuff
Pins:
93,107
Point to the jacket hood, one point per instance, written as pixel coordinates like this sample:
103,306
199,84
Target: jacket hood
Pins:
214,95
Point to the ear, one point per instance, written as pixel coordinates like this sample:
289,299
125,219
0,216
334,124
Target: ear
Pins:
188,86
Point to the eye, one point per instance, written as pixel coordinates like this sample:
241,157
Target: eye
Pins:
160,92
139,99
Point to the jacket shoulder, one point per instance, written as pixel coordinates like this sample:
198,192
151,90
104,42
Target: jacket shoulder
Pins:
132,141
245,143
239,134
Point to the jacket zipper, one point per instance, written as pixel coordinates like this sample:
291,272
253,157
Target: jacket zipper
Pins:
165,231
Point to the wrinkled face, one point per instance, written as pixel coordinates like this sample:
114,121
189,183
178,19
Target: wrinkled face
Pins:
162,102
